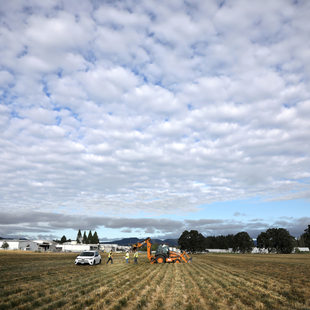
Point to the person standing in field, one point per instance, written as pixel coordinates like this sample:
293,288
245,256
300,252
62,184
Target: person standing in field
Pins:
110,257
135,256
127,257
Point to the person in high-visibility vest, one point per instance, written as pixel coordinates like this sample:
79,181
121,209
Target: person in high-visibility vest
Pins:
135,256
110,257
127,257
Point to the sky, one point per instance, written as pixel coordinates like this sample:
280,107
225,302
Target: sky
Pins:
146,118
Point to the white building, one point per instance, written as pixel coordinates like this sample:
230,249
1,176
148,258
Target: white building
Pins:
114,247
45,245
301,249
123,248
76,247
24,245
257,250
219,250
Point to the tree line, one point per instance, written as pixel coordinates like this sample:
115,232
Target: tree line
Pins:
89,238
276,240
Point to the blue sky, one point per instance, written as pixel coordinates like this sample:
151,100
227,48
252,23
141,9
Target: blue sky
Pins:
147,118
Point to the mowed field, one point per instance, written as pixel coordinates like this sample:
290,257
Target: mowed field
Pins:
211,281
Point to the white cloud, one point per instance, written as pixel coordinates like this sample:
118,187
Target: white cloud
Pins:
107,85
153,99
39,115
5,78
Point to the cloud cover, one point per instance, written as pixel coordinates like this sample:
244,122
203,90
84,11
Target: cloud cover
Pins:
140,108
51,224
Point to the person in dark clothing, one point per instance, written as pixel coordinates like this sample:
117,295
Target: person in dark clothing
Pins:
135,256
110,257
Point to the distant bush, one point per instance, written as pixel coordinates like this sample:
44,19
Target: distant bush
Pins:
5,245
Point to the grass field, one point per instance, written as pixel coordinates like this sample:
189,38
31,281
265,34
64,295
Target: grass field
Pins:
212,281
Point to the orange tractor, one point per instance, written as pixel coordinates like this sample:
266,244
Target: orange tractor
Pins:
163,254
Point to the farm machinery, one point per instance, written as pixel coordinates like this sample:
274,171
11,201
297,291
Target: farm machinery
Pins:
163,254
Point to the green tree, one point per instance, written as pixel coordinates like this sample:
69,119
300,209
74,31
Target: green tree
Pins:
242,242
84,241
229,239
306,237
192,241
276,239
79,237
210,242
95,238
284,242
5,245
219,242
90,237
263,241
301,241
63,239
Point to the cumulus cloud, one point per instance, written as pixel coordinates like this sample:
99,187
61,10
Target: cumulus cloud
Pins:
119,107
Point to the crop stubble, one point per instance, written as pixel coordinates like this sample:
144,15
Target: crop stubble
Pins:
52,281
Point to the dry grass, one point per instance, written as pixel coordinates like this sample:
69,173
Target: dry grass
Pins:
52,281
